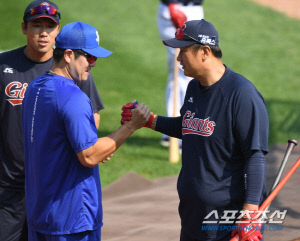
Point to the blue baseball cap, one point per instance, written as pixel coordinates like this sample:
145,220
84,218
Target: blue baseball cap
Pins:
82,36
192,32
41,9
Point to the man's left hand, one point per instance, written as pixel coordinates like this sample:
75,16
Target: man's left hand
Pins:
248,227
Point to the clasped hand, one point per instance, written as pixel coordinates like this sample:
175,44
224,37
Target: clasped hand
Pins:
135,115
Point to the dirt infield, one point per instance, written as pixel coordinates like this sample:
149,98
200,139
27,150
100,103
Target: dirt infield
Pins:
288,7
137,209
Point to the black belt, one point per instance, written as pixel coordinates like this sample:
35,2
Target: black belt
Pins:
185,3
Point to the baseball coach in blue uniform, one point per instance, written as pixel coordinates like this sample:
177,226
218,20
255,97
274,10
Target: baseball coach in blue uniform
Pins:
223,125
62,151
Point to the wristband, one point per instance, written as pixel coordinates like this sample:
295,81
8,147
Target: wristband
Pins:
149,123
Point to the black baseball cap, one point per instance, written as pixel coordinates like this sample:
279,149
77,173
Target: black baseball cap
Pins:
42,9
192,32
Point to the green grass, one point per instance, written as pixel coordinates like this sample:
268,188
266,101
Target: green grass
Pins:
257,42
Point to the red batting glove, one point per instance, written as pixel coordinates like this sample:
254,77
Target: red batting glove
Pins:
177,16
126,114
130,105
249,229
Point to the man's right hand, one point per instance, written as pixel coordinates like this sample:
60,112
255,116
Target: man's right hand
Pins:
127,115
247,228
135,115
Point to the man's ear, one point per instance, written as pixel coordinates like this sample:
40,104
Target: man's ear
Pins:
24,28
68,55
206,52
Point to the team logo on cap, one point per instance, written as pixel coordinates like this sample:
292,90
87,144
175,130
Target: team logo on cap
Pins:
98,37
45,4
206,39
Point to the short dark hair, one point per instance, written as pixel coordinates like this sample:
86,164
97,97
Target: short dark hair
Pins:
217,52
59,53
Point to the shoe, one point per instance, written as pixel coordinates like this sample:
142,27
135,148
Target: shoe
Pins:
165,142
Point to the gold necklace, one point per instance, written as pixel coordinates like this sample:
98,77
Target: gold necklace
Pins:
51,72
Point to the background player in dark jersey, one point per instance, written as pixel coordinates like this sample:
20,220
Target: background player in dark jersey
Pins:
63,191
223,125
171,14
17,69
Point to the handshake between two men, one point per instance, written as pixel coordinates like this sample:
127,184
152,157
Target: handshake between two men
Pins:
134,117
134,111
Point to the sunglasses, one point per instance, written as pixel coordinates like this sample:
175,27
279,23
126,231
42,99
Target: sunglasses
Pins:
41,9
181,35
202,39
90,58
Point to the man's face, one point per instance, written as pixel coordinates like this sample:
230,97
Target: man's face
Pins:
41,34
190,61
79,69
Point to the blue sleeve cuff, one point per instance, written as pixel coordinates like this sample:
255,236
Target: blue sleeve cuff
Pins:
170,126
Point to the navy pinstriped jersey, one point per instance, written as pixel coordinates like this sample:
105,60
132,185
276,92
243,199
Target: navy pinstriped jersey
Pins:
220,124
16,72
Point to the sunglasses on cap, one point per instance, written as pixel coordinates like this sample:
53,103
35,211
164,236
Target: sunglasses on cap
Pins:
90,58
41,9
181,35
202,38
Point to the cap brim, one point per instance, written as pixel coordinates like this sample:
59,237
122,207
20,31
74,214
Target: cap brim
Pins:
98,52
178,43
33,17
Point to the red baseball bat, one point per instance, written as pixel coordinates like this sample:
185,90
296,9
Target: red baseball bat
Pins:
279,186
273,194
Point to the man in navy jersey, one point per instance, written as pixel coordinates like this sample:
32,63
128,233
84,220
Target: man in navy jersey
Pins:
17,69
223,125
62,151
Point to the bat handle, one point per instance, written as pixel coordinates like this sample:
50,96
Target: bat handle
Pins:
291,145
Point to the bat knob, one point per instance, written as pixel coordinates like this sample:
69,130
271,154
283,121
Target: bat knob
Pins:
293,142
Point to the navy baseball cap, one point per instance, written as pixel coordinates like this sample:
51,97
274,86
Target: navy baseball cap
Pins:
82,36
42,9
192,32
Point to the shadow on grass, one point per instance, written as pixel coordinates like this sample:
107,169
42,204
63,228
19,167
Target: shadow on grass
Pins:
284,119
